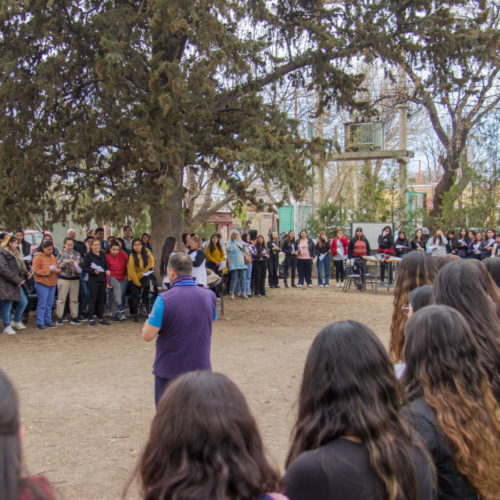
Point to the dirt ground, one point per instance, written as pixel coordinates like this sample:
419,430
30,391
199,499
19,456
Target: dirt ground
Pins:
87,393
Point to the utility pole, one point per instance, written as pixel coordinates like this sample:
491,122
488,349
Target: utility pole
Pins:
403,144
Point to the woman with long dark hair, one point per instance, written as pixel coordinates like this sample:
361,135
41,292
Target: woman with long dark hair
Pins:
12,485
215,254
462,249
451,403
96,266
350,439
169,247
402,246
204,444
385,250
339,247
273,263
323,260
466,286
418,242
259,263
415,269
289,248
140,262
488,243
305,257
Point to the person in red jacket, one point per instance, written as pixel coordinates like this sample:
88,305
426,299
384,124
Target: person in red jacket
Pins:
117,280
339,247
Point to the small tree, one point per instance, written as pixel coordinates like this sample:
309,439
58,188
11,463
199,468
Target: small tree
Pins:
329,217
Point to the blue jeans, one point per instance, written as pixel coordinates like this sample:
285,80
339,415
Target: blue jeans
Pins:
83,295
20,307
248,280
124,294
323,264
45,303
237,278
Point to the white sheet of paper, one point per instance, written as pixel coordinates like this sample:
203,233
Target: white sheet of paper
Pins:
222,265
462,241
52,267
322,256
148,273
78,269
27,258
401,246
96,267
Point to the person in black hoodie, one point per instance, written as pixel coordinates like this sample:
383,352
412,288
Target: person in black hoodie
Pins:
452,405
289,248
259,265
96,266
273,263
386,249
402,245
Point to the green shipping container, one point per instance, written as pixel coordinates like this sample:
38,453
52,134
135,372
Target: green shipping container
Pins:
285,215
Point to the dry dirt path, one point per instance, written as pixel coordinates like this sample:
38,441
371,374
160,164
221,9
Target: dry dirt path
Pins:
87,394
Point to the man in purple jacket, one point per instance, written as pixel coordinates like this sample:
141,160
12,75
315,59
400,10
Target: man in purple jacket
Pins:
181,319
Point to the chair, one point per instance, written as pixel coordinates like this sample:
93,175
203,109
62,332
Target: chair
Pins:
355,273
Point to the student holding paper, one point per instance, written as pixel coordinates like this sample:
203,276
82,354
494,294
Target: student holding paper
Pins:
45,271
140,262
68,282
96,266
323,260
402,246
462,247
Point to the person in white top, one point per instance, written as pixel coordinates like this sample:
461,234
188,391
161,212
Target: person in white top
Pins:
436,245
198,257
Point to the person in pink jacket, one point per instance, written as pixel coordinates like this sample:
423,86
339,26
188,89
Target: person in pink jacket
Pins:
339,247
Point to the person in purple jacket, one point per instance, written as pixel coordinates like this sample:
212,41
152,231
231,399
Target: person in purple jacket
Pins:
181,320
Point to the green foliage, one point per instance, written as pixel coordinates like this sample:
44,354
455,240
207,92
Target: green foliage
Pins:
373,205
328,217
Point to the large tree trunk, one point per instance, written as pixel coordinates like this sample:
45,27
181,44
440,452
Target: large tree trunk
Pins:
443,187
166,215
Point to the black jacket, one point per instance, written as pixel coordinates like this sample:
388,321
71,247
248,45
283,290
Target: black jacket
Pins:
99,260
9,277
400,252
451,484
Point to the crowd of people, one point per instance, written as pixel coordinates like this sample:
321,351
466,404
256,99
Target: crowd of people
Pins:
419,422
115,275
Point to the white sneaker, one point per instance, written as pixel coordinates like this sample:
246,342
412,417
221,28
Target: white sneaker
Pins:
338,285
8,330
327,286
321,285
18,325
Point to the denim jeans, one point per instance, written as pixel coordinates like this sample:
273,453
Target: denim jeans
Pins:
323,265
20,307
248,279
45,303
83,295
160,385
238,278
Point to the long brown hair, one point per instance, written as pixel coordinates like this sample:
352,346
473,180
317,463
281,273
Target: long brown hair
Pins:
349,388
467,286
204,443
443,367
416,269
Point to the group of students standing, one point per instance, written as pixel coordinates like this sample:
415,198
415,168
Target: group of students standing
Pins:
365,429
85,275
